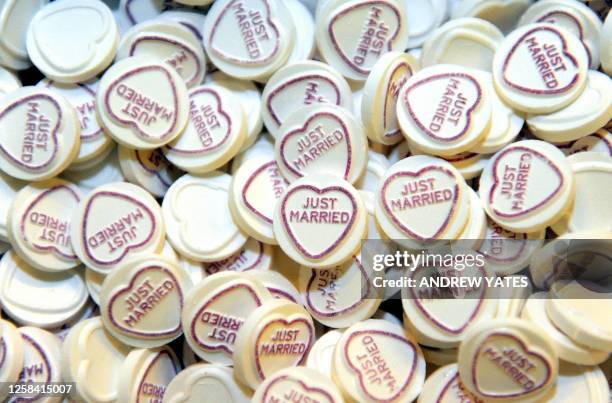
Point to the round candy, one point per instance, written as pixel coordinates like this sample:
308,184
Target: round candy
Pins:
17,17
321,355
73,40
192,20
142,103
512,299
606,45
320,221
132,12
11,350
102,173
445,385
149,169
540,68
254,255
576,382
424,16
375,170
439,356
503,13
302,19
279,286
8,82
113,222
600,142
298,383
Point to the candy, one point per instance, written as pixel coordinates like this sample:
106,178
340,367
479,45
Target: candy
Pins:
298,383
17,17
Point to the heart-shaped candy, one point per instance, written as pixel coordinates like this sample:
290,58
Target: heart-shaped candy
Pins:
265,178
286,387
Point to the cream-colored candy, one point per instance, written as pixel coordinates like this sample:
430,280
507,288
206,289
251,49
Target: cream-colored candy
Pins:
149,169
257,49
428,122
8,82
35,298
89,311
540,68
568,350
16,17
340,296
73,40
381,93
353,34
512,299
254,255
385,345
589,112
321,355
439,356
208,382
39,224
445,386
320,221
507,360
502,13
399,152
600,142
192,20
279,286
422,198
274,336
321,139
527,186
298,85
92,358
214,311
291,384
141,300
215,131
114,222
375,170
469,164
166,42
39,150
11,350
304,44
424,16
205,234
106,171
577,383
576,17
9,187
132,12
476,228
605,44
263,146
161,91
469,42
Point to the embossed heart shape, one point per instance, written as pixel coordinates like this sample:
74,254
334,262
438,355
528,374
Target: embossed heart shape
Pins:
54,240
461,89
398,77
241,50
521,71
247,258
266,179
151,111
357,17
508,201
301,230
390,346
453,390
113,225
399,206
277,390
37,119
156,163
296,146
126,313
159,372
500,245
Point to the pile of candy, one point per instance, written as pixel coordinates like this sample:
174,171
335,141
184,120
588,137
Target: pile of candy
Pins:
185,189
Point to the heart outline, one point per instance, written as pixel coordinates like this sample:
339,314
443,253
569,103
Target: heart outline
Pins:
385,106
151,365
574,20
154,171
221,265
45,358
302,384
522,238
248,184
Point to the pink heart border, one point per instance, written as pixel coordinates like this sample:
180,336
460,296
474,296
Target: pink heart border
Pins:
154,171
222,263
578,24
302,384
386,106
247,185
152,364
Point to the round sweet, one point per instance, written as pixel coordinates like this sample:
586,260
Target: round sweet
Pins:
254,255
576,382
264,43
39,224
35,298
215,131
353,34
469,42
320,221
599,142
9,187
8,82
374,172
203,234
512,299
142,298
507,360
298,85
424,16
588,113
215,310
420,199
166,42
89,311
132,12
211,382
439,356
399,152
279,286
321,354
11,350
298,383
192,20
149,169
605,44
39,134
102,173
527,186
16,19
469,164
321,139
263,146
444,385
92,359
381,93
114,222
385,346
476,228
73,40
142,103
504,14
540,68
302,19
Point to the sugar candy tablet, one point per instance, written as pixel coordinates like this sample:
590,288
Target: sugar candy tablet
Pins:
205,234
149,169
476,228
191,20
17,16
36,298
11,350
90,310
375,170
540,68
376,361
600,142
527,186
263,146
9,187
277,284
381,93
606,45
206,383
39,134
263,45
102,173
586,383
300,84
39,224
254,255
439,356
136,11
511,300
502,13
142,103
298,384
353,34
114,222
320,221
321,354
445,385
469,164
399,152
424,16
215,310
324,140
8,82
507,360
67,57
304,44
469,42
